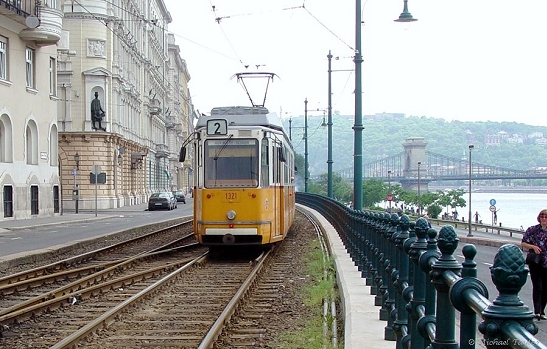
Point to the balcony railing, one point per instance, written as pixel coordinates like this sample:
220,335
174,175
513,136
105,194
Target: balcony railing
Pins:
162,151
154,107
42,19
18,8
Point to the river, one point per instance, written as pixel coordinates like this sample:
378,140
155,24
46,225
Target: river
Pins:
514,209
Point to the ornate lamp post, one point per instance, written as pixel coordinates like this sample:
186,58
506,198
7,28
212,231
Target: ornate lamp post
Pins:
329,132
471,146
405,16
76,190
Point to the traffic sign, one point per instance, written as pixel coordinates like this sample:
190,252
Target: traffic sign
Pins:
492,208
492,202
389,197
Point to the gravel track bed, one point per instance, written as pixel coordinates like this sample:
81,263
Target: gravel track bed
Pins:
287,314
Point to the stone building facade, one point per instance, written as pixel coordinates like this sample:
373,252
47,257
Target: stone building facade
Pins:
30,185
120,50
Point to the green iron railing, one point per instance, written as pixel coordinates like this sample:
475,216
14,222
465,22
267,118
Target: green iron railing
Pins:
412,271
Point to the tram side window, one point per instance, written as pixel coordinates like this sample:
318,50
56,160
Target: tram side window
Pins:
276,165
264,165
231,163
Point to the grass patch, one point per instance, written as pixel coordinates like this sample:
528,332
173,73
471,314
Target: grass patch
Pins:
321,285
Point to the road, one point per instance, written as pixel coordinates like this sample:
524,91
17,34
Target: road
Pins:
16,240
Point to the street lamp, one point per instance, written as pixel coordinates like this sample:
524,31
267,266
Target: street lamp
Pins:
329,132
471,146
419,203
358,127
389,198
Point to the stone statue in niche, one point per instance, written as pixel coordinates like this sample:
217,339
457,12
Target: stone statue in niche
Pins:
97,113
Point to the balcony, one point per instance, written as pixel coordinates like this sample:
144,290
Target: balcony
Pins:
18,10
162,151
43,23
154,107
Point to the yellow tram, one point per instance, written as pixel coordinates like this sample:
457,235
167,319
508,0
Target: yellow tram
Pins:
244,173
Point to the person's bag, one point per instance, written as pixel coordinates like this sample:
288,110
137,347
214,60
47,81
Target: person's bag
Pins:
533,258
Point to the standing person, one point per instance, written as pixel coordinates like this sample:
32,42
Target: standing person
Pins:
496,217
477,215
535,238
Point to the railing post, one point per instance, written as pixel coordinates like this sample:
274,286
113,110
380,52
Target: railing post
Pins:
445,325
391,275
368,252
417,303
400,325
378,258
384,266
506,320
362,265
468,318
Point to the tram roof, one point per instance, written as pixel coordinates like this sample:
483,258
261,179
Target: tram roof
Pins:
243,116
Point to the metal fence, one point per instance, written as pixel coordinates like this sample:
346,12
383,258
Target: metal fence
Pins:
412,271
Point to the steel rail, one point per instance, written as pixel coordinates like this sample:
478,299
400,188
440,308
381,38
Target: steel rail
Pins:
110,316
81,287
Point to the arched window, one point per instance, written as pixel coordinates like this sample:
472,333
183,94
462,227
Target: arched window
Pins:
6,144
31,138
53,146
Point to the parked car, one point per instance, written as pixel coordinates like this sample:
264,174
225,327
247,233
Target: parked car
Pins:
179,195
162,200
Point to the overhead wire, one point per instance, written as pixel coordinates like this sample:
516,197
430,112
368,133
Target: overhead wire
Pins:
218,19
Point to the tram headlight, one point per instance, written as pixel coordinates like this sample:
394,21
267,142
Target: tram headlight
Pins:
231,214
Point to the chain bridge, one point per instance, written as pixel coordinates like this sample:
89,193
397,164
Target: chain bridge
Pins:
417,166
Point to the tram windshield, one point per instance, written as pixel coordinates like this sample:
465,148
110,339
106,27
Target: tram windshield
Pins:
231,163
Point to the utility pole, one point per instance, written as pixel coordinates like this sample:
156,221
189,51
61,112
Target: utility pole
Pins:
358,123
306,174
329,130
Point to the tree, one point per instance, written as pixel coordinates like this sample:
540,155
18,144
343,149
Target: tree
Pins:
444,199
374,191
342,189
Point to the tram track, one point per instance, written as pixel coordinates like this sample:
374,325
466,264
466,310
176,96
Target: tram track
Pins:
175,300
27,293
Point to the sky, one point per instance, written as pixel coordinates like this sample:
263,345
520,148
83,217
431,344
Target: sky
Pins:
464,60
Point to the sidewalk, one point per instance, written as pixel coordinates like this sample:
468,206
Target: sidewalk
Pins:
69,216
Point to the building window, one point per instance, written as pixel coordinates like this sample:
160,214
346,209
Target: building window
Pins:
32,143
8,201
29,54
34,200
55,199
3,58
52,77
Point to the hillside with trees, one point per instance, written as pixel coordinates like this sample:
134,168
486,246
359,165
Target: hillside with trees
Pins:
521,147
